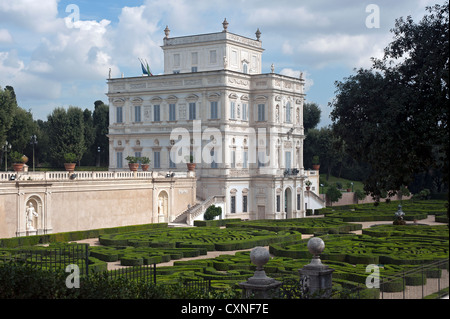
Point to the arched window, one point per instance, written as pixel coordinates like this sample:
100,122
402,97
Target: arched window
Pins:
245,68
288,112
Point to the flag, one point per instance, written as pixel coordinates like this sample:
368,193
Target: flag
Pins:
144,71
148,69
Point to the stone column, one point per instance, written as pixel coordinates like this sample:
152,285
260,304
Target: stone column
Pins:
260,286
318,276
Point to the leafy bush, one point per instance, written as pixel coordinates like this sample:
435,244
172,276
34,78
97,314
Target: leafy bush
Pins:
212,212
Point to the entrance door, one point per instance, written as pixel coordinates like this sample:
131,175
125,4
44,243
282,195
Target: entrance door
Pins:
288,202
261,212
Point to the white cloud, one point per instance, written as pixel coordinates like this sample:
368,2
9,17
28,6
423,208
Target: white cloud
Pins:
5,36
37,16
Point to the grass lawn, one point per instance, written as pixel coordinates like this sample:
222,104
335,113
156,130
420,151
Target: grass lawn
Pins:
333,180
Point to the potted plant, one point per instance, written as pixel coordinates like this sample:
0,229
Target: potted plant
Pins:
349,186
70,161
145,163
308,184
315,163
133,163
18,161
190,165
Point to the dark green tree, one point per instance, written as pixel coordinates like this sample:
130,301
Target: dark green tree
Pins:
8,105
101,125
66,134
394,117
333,194
311,116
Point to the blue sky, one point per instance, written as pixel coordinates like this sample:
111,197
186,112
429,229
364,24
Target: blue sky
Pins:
52,60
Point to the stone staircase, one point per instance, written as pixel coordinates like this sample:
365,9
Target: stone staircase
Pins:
188,216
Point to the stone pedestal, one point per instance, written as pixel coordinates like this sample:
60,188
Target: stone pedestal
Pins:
260,286
318,276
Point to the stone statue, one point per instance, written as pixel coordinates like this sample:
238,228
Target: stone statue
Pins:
30,215
225,62
272,68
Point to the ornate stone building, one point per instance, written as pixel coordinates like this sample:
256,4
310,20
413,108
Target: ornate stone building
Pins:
244,128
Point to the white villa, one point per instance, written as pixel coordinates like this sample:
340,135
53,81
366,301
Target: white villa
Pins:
243,127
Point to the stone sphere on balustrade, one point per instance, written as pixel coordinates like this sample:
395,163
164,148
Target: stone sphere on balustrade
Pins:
316,246
259,256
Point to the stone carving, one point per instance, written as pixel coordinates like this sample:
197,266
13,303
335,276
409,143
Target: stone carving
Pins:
31,214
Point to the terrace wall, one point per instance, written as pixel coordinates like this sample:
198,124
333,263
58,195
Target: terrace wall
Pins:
91,200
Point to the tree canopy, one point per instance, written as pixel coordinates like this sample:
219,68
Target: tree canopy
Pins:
394,116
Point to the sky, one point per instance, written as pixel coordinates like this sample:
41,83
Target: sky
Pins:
58,52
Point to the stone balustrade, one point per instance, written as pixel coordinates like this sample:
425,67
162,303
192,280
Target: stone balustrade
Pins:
89,175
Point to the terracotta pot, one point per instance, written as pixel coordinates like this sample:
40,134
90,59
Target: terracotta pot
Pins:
145,167
190,166
307,188
18,167
69,166
316,167
133,166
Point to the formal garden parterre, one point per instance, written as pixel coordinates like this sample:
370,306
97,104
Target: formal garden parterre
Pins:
392,248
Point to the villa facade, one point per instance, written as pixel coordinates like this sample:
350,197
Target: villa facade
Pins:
243,128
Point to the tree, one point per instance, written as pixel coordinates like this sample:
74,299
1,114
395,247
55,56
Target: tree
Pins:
8,105
394,117
333,194
66,133
311,116
23,126
89,138
101,125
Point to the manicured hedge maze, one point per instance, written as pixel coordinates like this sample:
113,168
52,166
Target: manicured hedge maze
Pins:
156,246
303,225
414,210
363,249
421,231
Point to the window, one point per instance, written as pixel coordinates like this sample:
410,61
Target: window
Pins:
214,110
194,58
261,112
261,159
137,113
245,68
213,159
156,113
119,162
233,204
156,159
171,163
192,111
233,159
194,69
244,112
245,163
172,112
119,114
298,202
288,112
278,203
287,160
176,60
244,203
233,110
213,57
